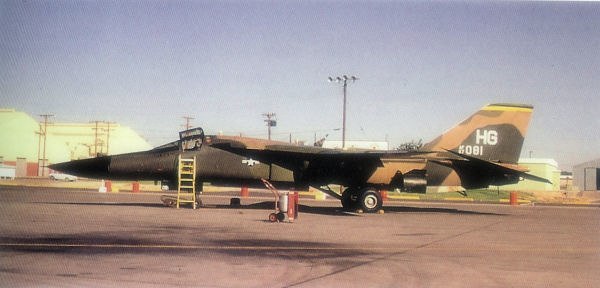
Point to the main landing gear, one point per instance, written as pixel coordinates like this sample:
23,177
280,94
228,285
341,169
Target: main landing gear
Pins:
366,199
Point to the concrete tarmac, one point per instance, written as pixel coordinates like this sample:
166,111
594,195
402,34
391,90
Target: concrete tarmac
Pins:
69,238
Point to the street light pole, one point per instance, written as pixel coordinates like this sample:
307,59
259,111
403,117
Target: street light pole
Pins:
344,80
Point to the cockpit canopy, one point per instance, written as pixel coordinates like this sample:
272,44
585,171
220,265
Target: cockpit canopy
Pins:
191,139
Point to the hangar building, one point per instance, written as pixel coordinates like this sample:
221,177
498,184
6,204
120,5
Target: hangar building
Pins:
586,176
22,142
545,168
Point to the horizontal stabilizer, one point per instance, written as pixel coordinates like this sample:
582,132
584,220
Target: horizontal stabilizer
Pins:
499,167
535,178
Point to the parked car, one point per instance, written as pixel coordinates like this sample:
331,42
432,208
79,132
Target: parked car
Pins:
62,176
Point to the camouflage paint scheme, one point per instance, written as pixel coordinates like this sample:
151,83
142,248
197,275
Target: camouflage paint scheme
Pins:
509,121
494,136
482,150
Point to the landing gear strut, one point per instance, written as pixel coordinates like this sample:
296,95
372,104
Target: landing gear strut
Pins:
366,199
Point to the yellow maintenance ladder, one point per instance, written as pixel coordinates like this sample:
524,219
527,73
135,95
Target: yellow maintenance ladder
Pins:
186,190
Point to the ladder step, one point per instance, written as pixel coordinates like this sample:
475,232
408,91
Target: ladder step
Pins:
186,192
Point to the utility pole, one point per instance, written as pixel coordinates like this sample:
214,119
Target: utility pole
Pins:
188,124
271,122
344,80
108,134
96,136
39,133
43,134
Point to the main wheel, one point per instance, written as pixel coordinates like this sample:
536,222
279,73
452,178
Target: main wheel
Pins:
370,200
350,199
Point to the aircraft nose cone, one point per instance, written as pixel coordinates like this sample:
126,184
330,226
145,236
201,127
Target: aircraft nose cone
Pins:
91,168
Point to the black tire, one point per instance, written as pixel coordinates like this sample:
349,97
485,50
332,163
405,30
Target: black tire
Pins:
280,216
370,200
273,217
350,199
235,203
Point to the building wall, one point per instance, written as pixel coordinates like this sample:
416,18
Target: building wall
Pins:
18,133
585,175
566,183
7,172
546,168
24,168
69,141
354,144
64,141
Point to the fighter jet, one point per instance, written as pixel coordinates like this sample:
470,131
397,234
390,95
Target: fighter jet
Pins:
482,150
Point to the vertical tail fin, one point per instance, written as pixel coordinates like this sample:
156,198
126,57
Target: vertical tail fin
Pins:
494,133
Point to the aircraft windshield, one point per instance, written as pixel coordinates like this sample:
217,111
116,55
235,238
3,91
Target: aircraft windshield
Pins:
169,146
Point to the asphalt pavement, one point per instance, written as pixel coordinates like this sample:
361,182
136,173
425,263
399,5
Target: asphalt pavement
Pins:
54,237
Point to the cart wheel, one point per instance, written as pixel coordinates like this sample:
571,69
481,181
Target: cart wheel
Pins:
280,216
273,217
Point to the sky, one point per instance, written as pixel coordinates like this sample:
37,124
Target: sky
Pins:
422,67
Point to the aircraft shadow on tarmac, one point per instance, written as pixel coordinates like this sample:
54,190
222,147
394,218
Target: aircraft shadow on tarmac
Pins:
100,243
405,209
338,211
270,205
